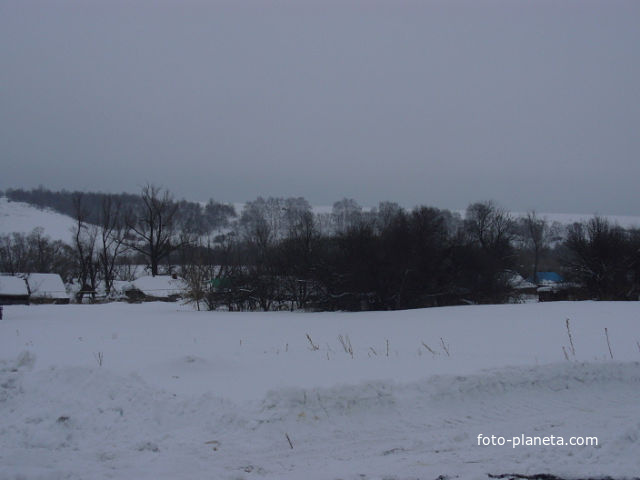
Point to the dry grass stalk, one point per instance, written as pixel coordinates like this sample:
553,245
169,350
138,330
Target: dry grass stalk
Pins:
431,350
445,347
99,358
573,349
313,347
606,333
346,344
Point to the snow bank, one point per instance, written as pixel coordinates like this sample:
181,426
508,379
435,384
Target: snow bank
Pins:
73,422
159,391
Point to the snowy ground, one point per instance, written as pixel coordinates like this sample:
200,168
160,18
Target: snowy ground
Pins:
182,394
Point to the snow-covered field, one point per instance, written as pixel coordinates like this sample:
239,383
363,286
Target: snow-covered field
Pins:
159,391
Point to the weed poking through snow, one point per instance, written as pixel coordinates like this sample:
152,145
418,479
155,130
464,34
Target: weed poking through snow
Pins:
346,344
606,334
445,347
431,350
313,347
99,356
573,349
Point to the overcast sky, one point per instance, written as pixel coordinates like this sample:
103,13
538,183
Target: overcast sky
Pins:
531,104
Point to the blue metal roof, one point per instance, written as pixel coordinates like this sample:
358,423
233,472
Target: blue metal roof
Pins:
549,277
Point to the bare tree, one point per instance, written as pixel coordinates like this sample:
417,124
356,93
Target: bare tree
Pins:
196,271
600,258
346,213
84,246
488,224
258,223
113,234
489,251
14,253
297,254
36,252
536,232
154,226
217,215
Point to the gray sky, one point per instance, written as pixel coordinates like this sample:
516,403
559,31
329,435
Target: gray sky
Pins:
531,104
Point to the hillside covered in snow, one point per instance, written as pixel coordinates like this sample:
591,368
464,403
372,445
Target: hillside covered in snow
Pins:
23,218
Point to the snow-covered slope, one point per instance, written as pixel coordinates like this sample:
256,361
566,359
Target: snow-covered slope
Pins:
22,217
625,221
160,391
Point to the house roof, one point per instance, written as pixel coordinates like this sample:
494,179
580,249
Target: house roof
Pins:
549,277
46,285
160,286
13,286
519,283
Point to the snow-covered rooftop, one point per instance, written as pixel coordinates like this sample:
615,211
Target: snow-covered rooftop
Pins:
13,286
46,285
160,286
519,283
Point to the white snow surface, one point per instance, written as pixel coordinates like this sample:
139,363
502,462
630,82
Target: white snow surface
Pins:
23,218
159,391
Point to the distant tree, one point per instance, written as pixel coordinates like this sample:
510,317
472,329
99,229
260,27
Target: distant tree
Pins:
198,271
45,254
296,212
261,224
536,235
352,279
386,214
431,282
154,226
489,225
634,262
190,218
600,258
297,256
258,223
217,215
84,247
113,234
395,256
15,256
485,253
346,213
35,252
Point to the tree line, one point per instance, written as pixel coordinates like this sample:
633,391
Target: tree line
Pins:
202,219
279,253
